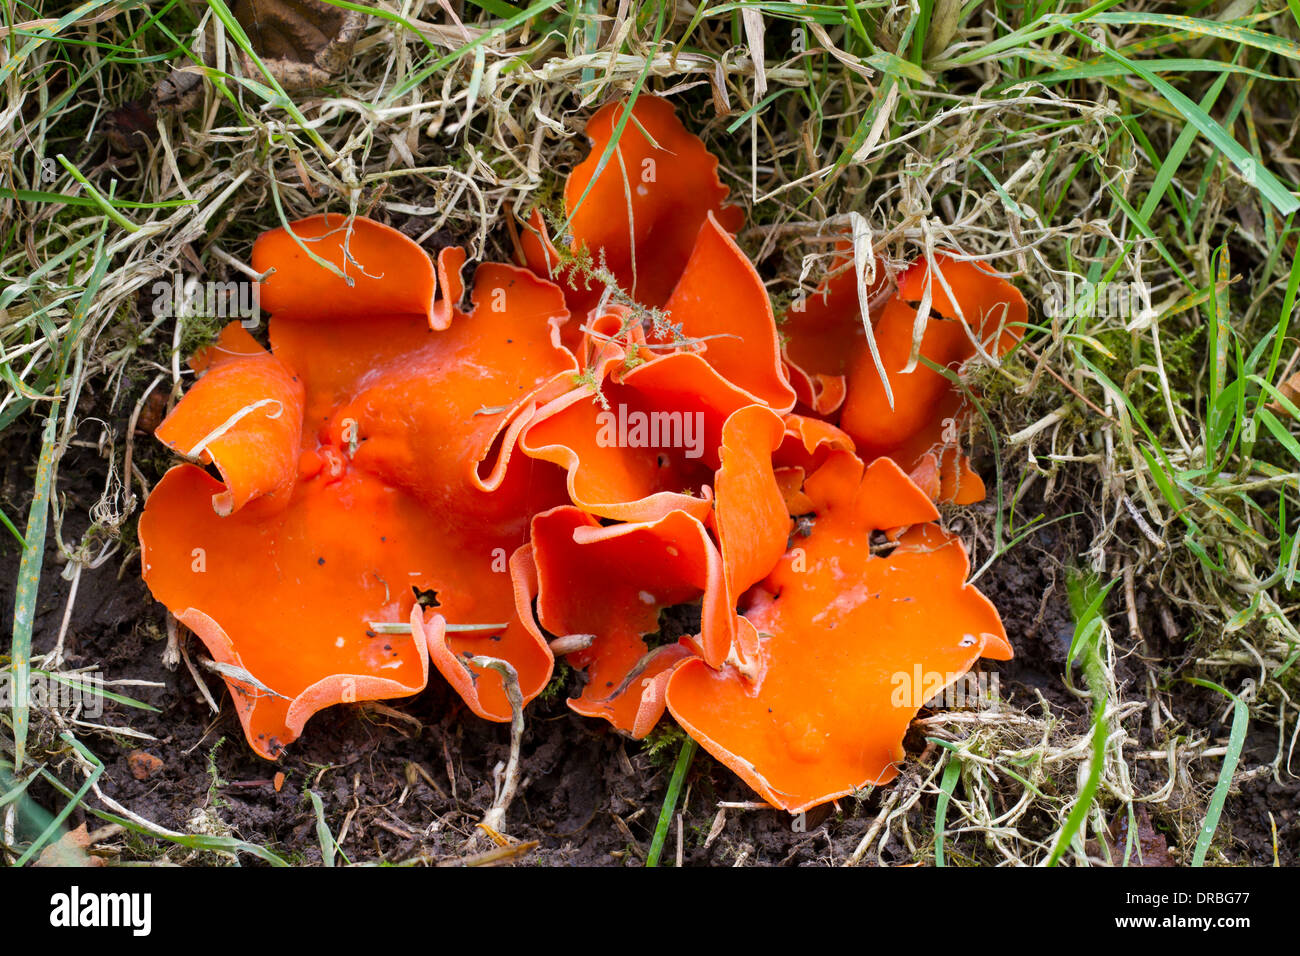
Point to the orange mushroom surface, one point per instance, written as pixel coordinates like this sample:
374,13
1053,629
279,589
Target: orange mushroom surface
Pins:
640,211
341,460
928,410
814,713
288,597
824,332
644,443
612,583
720,303
404,478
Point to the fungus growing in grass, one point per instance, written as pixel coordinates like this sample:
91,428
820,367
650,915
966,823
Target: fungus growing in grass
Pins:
973,311
638,443
366,455
919,420
805,711
546,476
612,583
824,333
637,211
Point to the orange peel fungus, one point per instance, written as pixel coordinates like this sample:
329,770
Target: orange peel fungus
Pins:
405,478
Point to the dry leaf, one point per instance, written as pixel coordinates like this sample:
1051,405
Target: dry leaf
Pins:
1291,390
302,42
943,26
70,850
1152,848
143,764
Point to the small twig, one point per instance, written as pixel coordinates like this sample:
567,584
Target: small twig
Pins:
240,676
398,627
198,678
875,828
495,818
1066,385
55,659
171,655
490,857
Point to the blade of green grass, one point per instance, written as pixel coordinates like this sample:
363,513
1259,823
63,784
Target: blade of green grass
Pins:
1086,599
948,783
1093,70
13,530
96,196
329,848
1210,28
75,801
1236,739
29,579
214,844
422,76
31,195
683,764
1277,195
625,114
1283,322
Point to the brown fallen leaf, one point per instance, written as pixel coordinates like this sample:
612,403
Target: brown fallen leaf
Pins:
143,764
69,850
1152,848
1291,389
302,42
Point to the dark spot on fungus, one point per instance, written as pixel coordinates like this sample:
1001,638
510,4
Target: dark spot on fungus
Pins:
425,598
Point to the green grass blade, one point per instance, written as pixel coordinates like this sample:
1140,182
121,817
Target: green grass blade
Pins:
13,529
29,579
1236,739
683,764
1210,28
1265,182
625,114
1086,599
329,848
75,801
947,784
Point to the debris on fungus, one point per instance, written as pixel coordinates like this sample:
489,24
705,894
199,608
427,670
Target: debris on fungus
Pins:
572,453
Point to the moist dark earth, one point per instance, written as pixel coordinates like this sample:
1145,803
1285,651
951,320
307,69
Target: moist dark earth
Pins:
409,782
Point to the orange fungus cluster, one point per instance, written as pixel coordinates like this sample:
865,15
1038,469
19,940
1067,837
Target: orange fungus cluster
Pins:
418,473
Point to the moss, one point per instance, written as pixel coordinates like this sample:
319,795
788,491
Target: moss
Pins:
1182,355
215,781
663,742
558,686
